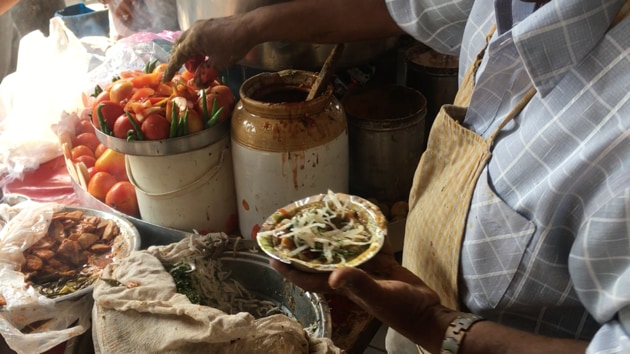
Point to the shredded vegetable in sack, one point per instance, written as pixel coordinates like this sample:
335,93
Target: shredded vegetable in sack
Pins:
204,282
148,294
29,321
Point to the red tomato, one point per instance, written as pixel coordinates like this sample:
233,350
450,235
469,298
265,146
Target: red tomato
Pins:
194,62
99,150
88,139
87,160
187,75
225,92
122,197
100,184
110,111
224,97
122,125
160,68
86,113
204,76
103,96
147,80
195,121
131,73
112,162
142,94
120,91
80,150
84,126
91,171
155,127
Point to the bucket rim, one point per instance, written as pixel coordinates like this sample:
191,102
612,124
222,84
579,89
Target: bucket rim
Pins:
170,146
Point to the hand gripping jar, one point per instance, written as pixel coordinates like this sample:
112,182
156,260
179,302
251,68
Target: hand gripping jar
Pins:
285,148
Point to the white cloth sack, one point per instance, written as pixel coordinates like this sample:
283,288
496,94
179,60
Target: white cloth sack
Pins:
145,314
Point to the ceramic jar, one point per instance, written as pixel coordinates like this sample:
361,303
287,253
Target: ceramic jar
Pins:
283,147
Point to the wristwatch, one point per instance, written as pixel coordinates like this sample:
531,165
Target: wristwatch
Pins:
456,331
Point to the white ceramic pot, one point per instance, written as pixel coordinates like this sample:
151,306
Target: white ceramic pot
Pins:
284,148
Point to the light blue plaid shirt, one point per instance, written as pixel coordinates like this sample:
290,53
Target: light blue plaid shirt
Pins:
547,245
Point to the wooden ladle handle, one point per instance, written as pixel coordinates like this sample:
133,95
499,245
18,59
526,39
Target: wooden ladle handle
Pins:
327,71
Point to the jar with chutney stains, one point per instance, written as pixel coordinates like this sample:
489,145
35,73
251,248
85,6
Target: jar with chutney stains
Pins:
285,148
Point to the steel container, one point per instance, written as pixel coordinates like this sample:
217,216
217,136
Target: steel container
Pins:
386,137
253,271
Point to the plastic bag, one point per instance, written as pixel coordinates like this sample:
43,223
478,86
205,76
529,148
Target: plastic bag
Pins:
57,322
131,53
49,79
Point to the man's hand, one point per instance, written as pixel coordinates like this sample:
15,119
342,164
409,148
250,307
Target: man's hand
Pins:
222,41
381,287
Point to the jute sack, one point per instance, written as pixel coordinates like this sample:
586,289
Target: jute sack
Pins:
137,310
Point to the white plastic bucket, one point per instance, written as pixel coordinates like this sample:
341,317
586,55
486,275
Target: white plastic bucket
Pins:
188,191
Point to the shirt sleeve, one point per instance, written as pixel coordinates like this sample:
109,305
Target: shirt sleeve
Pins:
437,23
600,268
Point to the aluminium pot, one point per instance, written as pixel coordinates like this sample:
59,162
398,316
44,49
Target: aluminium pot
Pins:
276,56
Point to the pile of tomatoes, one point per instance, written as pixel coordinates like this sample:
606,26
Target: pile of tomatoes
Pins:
137,105
103,169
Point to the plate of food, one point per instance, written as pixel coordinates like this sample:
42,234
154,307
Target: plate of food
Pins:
323,232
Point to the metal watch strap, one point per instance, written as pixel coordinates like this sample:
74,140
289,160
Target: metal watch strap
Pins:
456,331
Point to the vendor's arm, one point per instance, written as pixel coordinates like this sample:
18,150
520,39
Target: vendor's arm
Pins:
406,304
227,40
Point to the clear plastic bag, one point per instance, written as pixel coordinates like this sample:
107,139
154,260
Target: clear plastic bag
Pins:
33,97
30,322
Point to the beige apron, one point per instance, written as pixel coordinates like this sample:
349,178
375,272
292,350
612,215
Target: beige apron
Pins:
443,186
442,190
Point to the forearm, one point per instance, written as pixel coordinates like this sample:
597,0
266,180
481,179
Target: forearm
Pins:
427,325
488,337
321,21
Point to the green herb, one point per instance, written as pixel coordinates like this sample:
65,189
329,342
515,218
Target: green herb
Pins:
182,275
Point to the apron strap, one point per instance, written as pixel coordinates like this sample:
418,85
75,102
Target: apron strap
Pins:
464,94
513,112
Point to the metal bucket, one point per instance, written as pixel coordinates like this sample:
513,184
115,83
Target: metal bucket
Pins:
253,271
433,74
186,191
386,137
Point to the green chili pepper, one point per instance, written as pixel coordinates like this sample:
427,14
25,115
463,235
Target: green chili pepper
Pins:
131,135
136,127
215,117
97,91
115,78
150,66
204,109
174,121
184,124
101,121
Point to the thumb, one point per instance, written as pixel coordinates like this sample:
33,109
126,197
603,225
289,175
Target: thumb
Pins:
357,285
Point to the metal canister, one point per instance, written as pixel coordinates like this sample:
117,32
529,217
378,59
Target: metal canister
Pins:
386,136
283,147
435,75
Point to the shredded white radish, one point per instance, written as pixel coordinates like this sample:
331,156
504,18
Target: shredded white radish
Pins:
331,232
